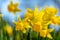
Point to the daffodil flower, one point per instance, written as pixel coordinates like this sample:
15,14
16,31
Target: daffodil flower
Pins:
8,29
37,27
18,24
13,7
55,20
22,25
0,15
45,32
48,14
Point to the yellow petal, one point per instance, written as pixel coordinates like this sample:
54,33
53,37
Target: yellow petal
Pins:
35,11
16,4
43,33
49,36
26,25
19,18
29,10
9,29
24,31
41,13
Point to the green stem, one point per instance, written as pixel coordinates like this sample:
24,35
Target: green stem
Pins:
1,34
34,35
54,35
16,35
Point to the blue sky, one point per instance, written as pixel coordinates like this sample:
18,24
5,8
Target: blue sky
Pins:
23,5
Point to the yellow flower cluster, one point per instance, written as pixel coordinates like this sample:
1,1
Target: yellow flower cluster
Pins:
38,21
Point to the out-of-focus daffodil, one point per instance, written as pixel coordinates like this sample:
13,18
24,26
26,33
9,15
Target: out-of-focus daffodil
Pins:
22,25
28,14
45,32
0,15
56,20
26,25
13,7
19,24
8,29
46,20
48,14
32,14
37,27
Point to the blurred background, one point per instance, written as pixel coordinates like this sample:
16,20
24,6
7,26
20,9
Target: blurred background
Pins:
23,4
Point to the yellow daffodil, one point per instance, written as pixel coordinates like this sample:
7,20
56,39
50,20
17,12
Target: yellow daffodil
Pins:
0,15
8,29
19,24
26,25
37,27
22,25
46,32
56,20
28,13
48,14
36,15
32,15
51,10
13,8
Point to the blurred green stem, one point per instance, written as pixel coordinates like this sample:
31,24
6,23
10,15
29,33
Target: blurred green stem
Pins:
54,35
1,34
34,35
16,35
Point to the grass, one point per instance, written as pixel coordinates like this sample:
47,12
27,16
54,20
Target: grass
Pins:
30,36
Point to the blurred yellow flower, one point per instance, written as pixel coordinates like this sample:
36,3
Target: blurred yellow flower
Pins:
22,25
56,20
45,32
8,29
26,24
13,7
28,14
19,24
32,14
48,14
0,15
37,27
